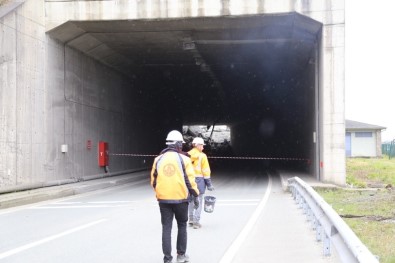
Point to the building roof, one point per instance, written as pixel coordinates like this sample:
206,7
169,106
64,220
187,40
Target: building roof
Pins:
355,125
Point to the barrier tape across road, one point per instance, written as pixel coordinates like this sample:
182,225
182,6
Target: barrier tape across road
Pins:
219,157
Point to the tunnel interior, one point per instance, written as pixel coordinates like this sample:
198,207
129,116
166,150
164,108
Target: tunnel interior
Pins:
257,74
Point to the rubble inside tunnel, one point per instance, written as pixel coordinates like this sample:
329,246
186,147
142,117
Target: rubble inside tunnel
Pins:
216,138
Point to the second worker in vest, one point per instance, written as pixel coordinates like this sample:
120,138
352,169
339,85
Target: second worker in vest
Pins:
203,179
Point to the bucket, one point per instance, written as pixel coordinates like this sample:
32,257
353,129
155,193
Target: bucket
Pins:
209,203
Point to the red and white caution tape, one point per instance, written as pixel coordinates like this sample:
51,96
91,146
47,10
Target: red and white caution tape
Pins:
133,155
219,157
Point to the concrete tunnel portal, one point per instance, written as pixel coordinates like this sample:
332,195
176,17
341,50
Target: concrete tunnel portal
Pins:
257,74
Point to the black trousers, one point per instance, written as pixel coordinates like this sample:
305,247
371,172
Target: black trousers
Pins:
168,212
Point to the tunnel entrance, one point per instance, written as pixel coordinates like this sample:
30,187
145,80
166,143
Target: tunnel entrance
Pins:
257,74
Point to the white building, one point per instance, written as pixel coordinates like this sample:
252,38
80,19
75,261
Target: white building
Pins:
363,139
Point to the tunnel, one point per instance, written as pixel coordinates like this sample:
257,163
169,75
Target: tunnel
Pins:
257,74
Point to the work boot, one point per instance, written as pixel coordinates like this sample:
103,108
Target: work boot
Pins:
167,259
183,258
196,225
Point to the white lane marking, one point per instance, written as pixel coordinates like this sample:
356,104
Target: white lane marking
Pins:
47,239
112,202
114,206
236,204
67,203
235,246
52,201
97,202
240,200
77,206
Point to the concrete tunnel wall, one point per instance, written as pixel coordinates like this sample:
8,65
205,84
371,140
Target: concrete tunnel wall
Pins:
100,105
38,114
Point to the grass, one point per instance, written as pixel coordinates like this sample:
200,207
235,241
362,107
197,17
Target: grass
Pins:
362,172
370,212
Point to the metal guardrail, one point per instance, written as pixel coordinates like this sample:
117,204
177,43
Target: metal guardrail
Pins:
329,226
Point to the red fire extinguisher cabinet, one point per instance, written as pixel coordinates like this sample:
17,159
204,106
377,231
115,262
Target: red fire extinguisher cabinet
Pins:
103,154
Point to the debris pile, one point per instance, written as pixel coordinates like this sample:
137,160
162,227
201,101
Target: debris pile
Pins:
217,138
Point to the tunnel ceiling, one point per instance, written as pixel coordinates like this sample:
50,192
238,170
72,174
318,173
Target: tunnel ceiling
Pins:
231,68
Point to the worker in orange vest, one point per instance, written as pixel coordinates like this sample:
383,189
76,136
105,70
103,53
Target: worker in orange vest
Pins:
203,179
173,179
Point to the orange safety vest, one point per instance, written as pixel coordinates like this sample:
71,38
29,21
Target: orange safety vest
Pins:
172,175
200,163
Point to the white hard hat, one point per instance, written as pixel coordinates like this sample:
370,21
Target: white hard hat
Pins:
174,136
198,140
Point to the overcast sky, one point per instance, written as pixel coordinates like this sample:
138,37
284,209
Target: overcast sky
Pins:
370,59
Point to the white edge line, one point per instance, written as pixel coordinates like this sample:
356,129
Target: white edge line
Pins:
47,239
232,250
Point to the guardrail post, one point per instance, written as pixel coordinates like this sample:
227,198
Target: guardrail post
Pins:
292,190
301,201
304,206
309,214
298,199
327,246
318,232
314,221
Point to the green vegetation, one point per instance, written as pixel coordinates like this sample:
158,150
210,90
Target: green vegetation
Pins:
368,205
364,172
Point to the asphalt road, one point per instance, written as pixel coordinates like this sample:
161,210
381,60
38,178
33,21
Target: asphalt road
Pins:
122,224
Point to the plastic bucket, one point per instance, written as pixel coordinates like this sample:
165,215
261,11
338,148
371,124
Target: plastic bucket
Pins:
209,203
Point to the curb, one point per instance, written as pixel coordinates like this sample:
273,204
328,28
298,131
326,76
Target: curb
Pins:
54,192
